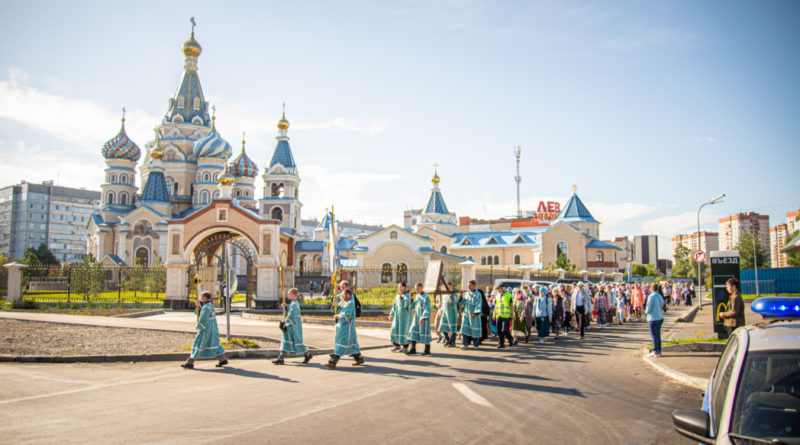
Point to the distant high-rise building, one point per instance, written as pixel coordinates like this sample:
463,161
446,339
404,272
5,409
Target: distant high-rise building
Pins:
792,224
777,239
645,249
32,214
708,241
732,227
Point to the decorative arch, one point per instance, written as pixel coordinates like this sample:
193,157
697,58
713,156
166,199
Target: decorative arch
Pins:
175,188
387,275
562,247
112,177
123,198
599,256
206,177
401,275
276,213
517,259
496,260
110,198
204,197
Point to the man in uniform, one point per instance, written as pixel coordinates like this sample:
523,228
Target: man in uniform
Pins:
502,313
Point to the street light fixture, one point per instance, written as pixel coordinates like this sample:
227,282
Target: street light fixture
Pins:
699,270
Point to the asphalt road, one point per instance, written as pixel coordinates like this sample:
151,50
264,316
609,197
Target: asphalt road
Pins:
596,391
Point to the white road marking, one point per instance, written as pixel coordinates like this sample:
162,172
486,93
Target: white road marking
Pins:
95,387
471,395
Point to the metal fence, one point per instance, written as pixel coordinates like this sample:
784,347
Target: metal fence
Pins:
3,281
94,284
784,280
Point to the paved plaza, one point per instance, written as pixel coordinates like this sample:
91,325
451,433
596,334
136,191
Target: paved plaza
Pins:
598,390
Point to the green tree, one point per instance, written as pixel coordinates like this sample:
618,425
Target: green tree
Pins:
563,262
644,270
745,248
683,262
46,256
793,259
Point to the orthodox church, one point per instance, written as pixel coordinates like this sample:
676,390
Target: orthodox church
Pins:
195,198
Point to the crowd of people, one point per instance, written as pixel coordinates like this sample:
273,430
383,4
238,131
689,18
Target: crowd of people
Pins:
509,314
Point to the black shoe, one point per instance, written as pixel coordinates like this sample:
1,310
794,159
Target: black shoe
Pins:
427,350
222,363
330,365
278,361
500,347
187,365
359,360
307,359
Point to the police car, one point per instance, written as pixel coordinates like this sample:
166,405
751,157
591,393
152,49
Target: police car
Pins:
753,395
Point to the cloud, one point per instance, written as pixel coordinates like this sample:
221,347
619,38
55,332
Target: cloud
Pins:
36,165
82,122
368,127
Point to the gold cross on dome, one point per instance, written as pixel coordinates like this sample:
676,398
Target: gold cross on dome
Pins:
574,188
193,24
123,113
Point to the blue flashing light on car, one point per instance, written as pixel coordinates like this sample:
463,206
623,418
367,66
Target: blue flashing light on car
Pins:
784,307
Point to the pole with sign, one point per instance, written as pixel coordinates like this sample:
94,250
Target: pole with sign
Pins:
724,265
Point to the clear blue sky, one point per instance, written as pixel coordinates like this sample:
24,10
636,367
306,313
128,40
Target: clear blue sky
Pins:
650,108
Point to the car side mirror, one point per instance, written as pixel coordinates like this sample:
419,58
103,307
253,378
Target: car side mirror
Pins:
692,423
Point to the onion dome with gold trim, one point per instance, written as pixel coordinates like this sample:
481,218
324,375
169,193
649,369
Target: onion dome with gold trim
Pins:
191,47
121,146
226,178
212,145
283,124
243,165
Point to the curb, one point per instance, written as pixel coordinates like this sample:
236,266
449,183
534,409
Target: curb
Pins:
689,316
140,314
685,379
167,357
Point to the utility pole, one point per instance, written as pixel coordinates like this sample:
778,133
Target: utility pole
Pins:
518,178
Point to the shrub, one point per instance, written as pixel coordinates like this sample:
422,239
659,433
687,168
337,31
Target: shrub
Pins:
25,304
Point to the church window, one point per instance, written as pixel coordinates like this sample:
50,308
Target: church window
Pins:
247,193
175,247
386,273
216,194
196,103
274,190
519,240
393,235
169,183
222,215
112,177
110,198
266,244
443,249
561,248
180,101
238,193
402,273
206,177
491,241
204,197
517,259
599,257
199,177
277,213
496,260
123,178
174,189
281,190
123,198
216,177
483,261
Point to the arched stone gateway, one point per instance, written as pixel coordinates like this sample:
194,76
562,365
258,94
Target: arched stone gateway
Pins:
208,262
195,241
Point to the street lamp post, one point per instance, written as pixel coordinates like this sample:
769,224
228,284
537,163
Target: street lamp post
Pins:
699,269
755,262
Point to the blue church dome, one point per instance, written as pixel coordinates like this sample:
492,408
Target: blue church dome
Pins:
212,145
243,165
121,147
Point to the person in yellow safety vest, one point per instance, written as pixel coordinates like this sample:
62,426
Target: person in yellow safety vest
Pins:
502,314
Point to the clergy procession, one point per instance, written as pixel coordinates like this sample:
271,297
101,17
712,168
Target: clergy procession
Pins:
509,314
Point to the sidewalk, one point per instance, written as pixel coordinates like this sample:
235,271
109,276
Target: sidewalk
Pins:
688,367
315,336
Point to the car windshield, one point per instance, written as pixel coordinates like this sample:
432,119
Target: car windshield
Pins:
767,402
